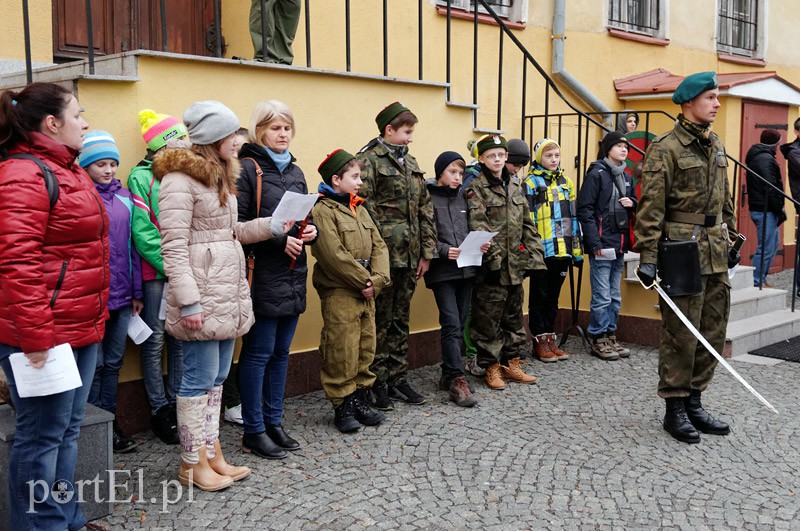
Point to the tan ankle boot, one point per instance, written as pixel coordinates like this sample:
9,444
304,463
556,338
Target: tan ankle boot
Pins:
514,373
493,378
194,467
222,467
542,348
560,354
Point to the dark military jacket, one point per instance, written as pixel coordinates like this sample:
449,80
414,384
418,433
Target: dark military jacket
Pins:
679,174
399,203
495,206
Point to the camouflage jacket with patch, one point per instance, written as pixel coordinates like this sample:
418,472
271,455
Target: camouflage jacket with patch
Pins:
399,203
681,175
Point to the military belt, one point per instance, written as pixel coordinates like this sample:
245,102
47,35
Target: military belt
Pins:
704,220
365,264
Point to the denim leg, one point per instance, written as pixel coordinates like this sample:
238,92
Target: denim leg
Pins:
225,359
600,279
769,245
277,367
110,356
203,362
174,367
615,277
452,322
257,348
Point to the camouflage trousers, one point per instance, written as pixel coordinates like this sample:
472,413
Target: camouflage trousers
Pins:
347,345
684,363
392,310
496,329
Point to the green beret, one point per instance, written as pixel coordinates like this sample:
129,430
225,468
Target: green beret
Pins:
388,114
333,163
489,142
694,85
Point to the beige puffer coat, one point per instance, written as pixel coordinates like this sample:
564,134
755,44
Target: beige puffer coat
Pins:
203,258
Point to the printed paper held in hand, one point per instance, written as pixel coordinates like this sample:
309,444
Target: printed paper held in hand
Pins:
471,254
59,374
607,254
138,330
294,206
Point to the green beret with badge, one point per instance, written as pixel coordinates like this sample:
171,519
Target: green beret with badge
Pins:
694,85
491,142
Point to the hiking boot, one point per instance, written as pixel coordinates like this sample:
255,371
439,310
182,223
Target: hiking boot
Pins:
472,366
363,412
459,392
234,414
344,416
677,423
164,425
403,391
380,397
621,351
542,350
561,355
513,372
603,349
121,443
493,378
700,418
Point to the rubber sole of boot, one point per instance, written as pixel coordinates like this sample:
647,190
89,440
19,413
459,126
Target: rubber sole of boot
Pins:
185,482
261,454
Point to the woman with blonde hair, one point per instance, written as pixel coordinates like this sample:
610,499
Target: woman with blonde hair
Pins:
208,301
279,279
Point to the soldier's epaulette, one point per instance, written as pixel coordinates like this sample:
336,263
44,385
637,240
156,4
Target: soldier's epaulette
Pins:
660,137
371,144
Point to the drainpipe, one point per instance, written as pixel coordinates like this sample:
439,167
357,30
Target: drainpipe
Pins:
559,35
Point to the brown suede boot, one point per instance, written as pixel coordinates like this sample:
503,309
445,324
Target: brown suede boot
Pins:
514,373
460,393
542,349
561,355
493,378
195,467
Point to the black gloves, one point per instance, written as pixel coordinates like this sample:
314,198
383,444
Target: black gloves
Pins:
734,257
646,274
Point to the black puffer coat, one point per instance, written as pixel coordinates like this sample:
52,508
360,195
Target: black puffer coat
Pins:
277,291
452,226
761,159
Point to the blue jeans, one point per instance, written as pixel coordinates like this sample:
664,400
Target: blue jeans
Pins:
205,365
769,246
46,448
605,277
453,297
109,360
153,350
262,371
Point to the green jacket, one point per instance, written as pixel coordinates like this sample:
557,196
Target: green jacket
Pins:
346,233
498,207
144,221
681,175
399,203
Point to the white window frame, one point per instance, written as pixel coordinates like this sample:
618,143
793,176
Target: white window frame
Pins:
660,32
516,12
760,33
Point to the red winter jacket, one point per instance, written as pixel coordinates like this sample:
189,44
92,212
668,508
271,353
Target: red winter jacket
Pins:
53,263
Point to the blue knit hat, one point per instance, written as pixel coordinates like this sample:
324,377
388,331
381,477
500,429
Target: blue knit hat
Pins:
98,145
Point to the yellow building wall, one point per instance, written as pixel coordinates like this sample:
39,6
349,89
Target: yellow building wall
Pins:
12,37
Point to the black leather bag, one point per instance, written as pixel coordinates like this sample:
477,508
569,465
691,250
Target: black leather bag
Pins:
679,267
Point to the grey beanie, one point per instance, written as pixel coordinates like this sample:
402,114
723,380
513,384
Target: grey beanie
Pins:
209,121
518,152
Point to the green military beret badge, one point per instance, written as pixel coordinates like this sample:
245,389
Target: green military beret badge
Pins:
694,85
333,163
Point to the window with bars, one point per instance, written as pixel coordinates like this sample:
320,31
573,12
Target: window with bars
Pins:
637,16
511,9
738,27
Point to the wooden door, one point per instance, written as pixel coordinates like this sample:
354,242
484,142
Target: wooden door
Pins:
122,25
756,117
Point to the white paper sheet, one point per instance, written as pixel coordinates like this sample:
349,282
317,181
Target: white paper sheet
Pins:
59,374
294,206
138,330
471,254
607,254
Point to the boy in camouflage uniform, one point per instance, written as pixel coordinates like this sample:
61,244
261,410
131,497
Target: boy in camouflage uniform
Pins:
399,204
497,203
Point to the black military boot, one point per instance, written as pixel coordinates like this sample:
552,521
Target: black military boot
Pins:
363,411
700,418
677,423
344,416
380,397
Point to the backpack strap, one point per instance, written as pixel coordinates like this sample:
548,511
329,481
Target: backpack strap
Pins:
251,257
50,181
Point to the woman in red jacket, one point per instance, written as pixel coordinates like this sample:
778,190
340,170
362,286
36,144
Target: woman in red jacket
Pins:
54,285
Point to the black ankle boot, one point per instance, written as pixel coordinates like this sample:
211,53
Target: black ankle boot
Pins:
261,445
344,416
281,438
677,423
700,418
363,411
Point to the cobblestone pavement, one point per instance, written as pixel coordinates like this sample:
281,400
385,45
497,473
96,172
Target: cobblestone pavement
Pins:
583,449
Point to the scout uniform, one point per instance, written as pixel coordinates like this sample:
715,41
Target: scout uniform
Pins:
349,253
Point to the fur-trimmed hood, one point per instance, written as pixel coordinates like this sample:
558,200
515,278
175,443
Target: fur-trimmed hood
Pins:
195,166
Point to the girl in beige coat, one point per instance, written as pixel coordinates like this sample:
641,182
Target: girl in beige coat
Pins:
208,299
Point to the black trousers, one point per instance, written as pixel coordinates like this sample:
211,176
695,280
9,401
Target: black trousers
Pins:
545,289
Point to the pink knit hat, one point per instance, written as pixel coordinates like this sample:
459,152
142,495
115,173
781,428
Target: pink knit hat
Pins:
157,129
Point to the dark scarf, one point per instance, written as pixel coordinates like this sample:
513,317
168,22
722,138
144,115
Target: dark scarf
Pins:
702,132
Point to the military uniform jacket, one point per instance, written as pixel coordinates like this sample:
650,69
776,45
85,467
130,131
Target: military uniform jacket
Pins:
499,207
680,174
346,234
399,204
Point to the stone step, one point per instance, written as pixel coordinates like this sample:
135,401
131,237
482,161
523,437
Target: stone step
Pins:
743,277
762,330
749,301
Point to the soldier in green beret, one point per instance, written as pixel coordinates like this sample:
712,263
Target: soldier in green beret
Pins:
399,204
685,196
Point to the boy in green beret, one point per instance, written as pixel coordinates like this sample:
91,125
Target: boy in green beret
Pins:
352,267
497,203
399,204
